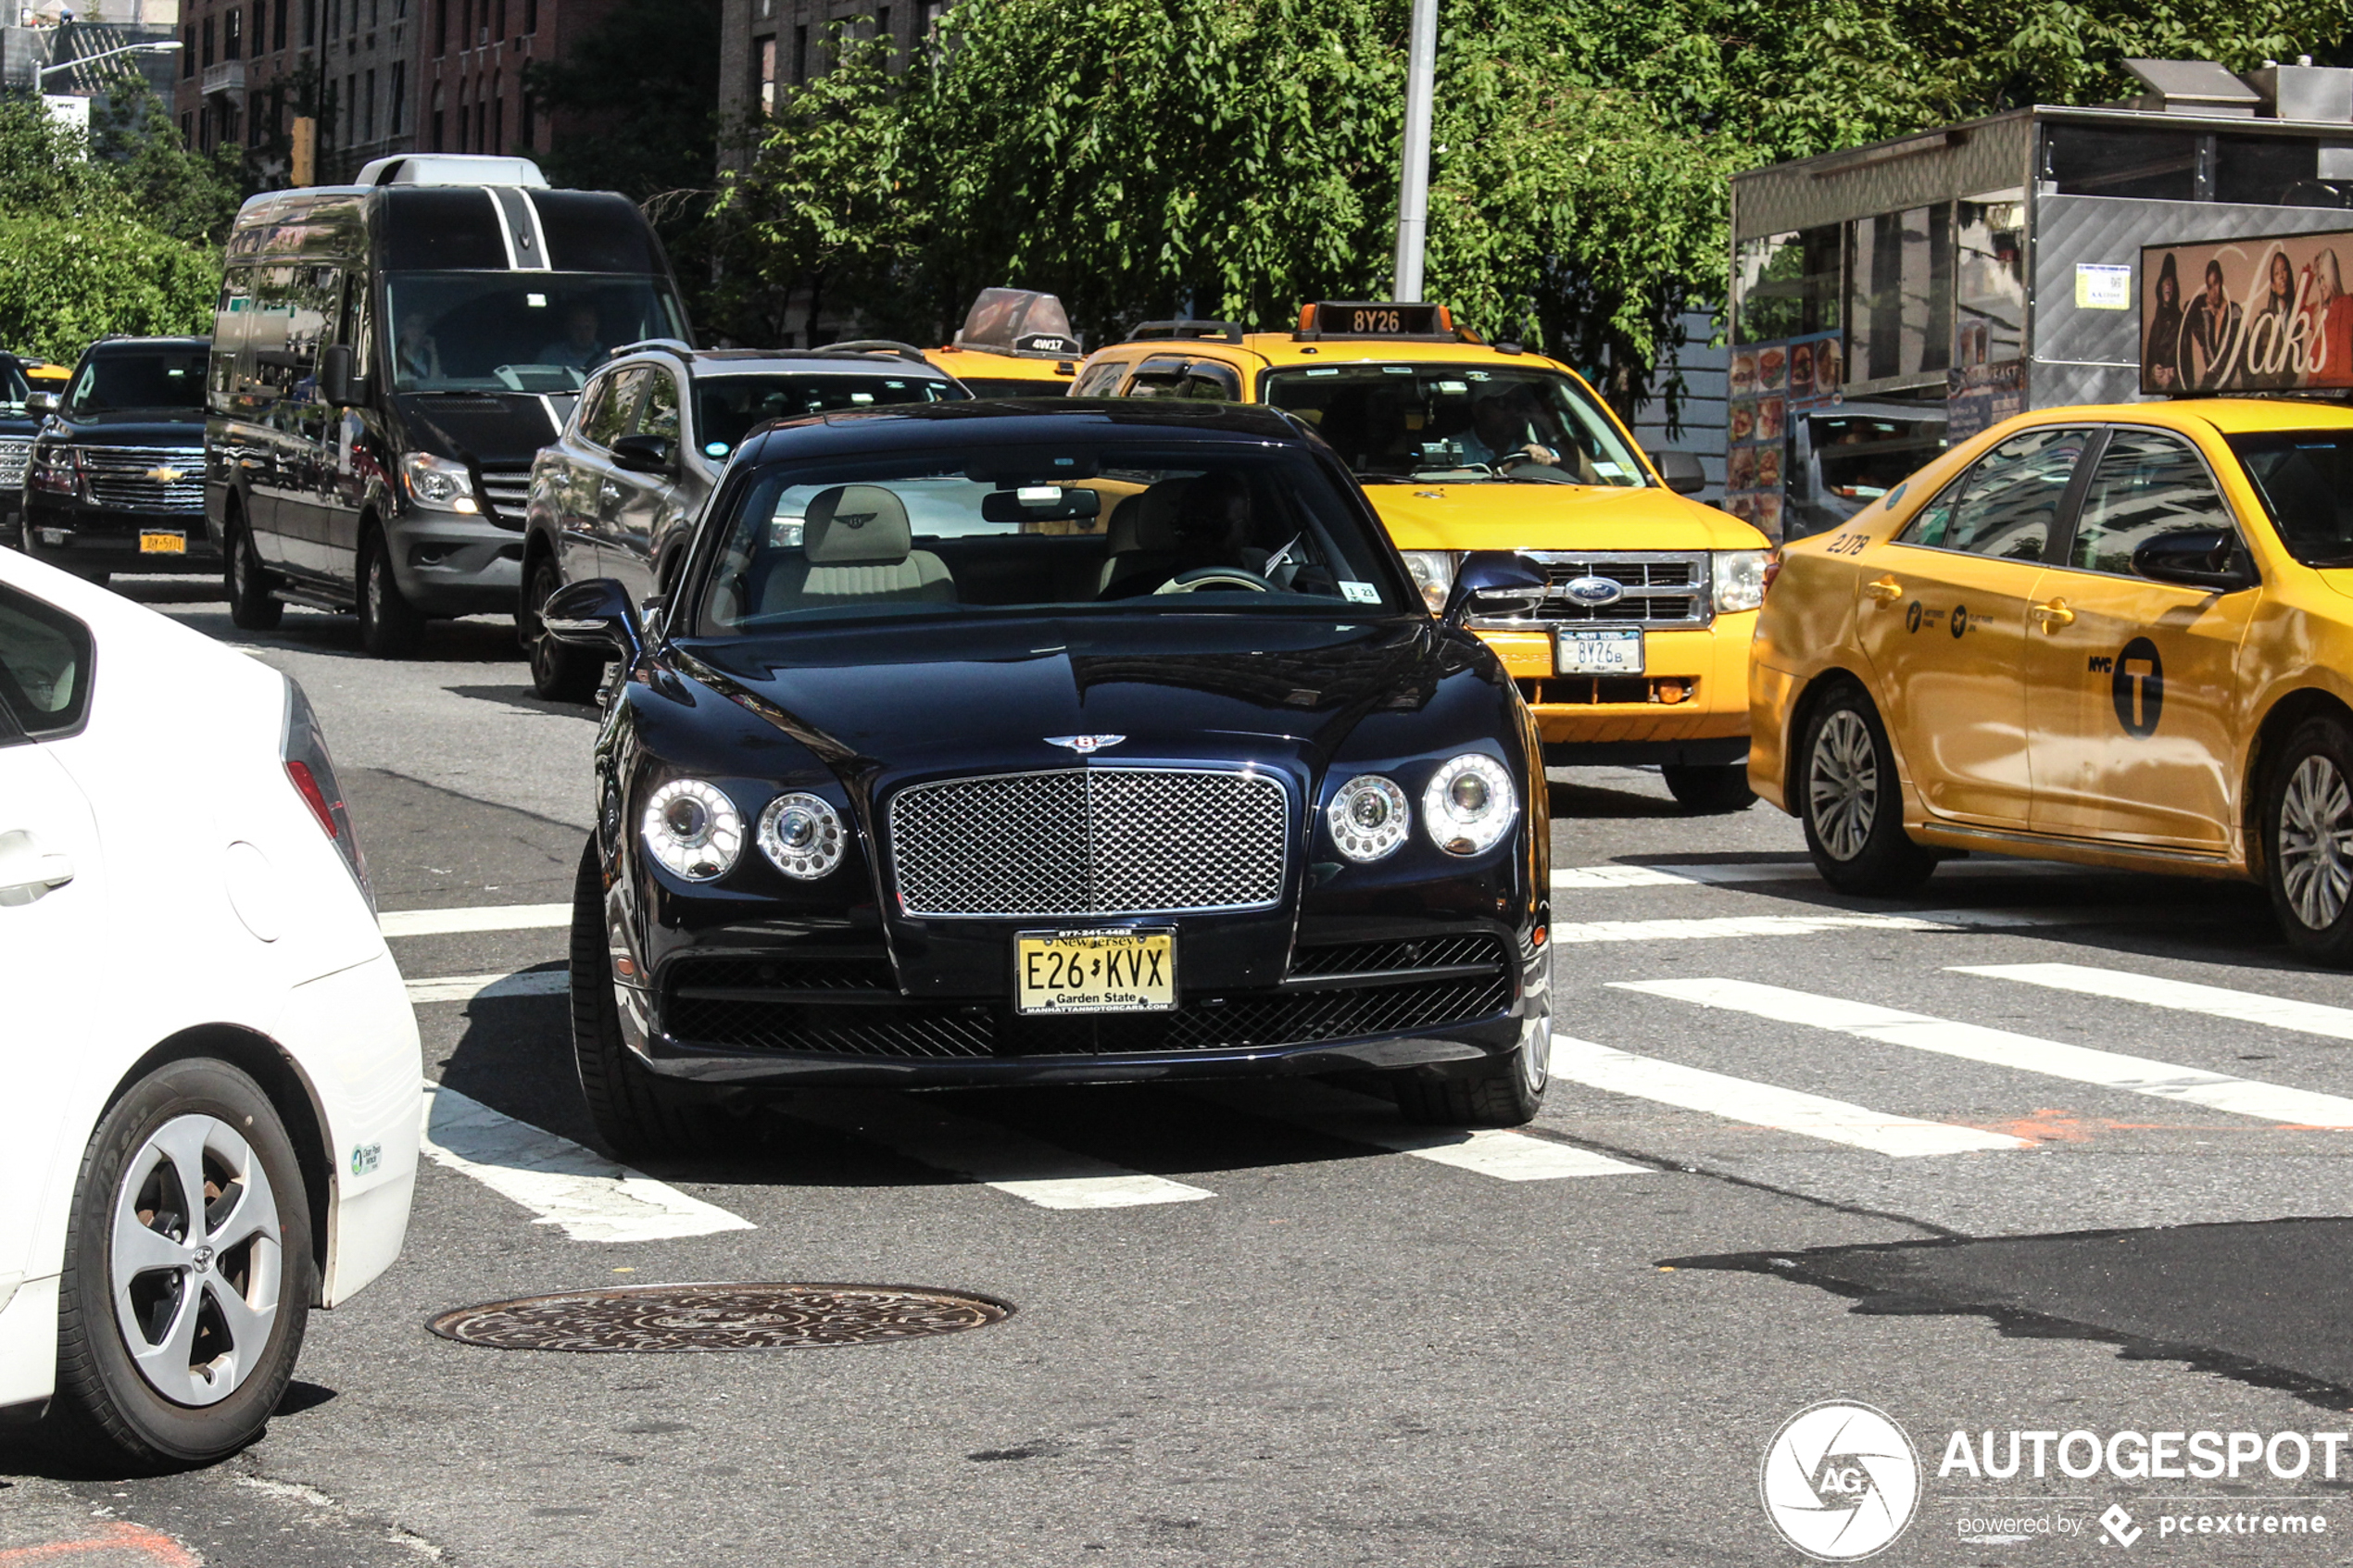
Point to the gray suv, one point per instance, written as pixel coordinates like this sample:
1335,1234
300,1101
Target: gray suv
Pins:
616,495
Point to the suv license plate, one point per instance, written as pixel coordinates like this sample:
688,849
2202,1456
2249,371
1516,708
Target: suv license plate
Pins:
1581,651
1123,970
153,542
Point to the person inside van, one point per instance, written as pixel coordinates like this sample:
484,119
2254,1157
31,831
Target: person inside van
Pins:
417,353
582,346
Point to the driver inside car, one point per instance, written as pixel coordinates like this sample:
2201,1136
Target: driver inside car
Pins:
1210,528
1499,433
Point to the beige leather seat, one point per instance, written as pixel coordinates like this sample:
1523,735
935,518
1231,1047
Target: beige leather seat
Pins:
1141,534
856,548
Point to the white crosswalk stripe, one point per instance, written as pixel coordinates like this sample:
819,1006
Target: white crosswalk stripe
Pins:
1740,872
1013,1162
2025,1053
589,1196
475,988
1721,927
1764,1105
2214,1002
1486,1151
487,917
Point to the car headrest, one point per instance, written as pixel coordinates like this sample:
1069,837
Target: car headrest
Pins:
856,522
1146,520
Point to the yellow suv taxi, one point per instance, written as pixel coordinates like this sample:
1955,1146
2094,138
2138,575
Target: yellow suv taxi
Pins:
1015,343
1637,652
2121,636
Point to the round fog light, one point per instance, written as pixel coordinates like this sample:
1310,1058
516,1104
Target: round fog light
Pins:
802,836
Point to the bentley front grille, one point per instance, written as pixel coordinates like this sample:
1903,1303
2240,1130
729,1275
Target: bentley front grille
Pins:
1090,841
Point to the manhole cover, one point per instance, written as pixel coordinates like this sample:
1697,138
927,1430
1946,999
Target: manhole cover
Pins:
718,1317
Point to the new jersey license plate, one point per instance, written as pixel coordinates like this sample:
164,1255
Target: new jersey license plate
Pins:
154,543
1614,650
1123,970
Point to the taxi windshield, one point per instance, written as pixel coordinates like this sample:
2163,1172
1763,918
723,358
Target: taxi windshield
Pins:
1459,422
1125,530
2304,478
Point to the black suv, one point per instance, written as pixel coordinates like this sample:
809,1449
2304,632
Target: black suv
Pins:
18,424
644,447
115,480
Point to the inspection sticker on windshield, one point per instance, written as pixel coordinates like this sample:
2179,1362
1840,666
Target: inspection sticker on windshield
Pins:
1360,593
1614,650
1128,969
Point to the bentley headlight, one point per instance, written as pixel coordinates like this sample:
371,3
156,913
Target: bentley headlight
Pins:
1469,804
1433,572
1368,817
1740,580
693,829
802,836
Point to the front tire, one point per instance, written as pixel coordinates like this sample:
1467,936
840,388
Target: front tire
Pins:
187,1276
1710,790
1504,1091
1852,801
252,606
2307,835
558,673
636,1112
390,627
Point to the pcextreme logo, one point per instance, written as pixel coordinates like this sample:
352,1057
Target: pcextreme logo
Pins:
1839,1481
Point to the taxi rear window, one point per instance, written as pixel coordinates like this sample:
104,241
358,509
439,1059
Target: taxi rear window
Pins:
2304,478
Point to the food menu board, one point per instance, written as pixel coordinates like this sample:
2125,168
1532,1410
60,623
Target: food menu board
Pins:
1771,384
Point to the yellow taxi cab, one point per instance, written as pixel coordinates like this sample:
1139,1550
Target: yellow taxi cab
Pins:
1015,343
1637,652
2120,636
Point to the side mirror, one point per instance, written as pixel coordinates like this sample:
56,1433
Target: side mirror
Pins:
645,454
597,615
2195,557
1493,583
41,403
1682,472
339,384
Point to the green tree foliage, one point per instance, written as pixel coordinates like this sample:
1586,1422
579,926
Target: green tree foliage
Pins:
1238,156
188,194
92,244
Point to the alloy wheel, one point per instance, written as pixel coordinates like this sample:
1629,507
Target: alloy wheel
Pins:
1842,783
196,1269
2316,842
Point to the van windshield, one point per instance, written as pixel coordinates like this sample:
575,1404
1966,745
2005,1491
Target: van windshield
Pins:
518,331
1462,422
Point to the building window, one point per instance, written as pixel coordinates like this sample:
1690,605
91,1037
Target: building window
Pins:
799,56
498,125
278,28
398,108
440,28
882,22
500,30
437,144
188,128
530,17
368,112
530,124
764,74
188,51
233,34
351,109
309,23
208,43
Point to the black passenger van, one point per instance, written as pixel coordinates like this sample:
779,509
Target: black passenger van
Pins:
387,360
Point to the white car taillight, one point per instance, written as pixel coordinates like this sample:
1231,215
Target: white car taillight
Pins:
312,773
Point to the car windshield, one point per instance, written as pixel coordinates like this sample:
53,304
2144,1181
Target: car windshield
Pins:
1126,527
727,407
13,388
2304,478
518,331
1459,422
121,381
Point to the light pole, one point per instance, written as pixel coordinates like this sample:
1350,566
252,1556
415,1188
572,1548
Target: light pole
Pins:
1412,185
162,46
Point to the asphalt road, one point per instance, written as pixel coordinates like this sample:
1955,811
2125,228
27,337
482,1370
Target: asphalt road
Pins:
1983,1160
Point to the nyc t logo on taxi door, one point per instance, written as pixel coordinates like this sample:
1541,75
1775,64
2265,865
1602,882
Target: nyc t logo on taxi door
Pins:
2137,688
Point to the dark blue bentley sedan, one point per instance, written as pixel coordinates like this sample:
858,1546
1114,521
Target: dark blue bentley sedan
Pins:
997,743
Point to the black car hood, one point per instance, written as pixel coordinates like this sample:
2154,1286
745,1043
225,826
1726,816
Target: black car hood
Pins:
136,427
905,699
496,429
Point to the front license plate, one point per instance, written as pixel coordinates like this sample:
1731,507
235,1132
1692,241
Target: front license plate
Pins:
152,543
1125,971
1615,651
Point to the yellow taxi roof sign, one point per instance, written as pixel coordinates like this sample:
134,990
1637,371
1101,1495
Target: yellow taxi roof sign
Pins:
1392,319
1005,320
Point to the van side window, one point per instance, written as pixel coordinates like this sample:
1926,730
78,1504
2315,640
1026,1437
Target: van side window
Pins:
231,372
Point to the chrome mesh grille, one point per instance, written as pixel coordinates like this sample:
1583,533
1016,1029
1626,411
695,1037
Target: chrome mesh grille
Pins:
1660,588
122,477
509,491
14,452
1090,841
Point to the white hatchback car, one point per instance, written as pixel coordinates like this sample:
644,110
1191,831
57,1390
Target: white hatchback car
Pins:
209,1071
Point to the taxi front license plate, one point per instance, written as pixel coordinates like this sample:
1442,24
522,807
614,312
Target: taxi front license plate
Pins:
1124,971
1615,651
153,542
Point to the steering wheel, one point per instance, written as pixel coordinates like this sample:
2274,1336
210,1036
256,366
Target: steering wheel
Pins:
1202,577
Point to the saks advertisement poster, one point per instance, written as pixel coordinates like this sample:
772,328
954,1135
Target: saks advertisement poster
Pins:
2248,315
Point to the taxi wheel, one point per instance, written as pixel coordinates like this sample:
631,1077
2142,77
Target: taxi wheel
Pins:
1710,790
2307,823
636,1112
1853,802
